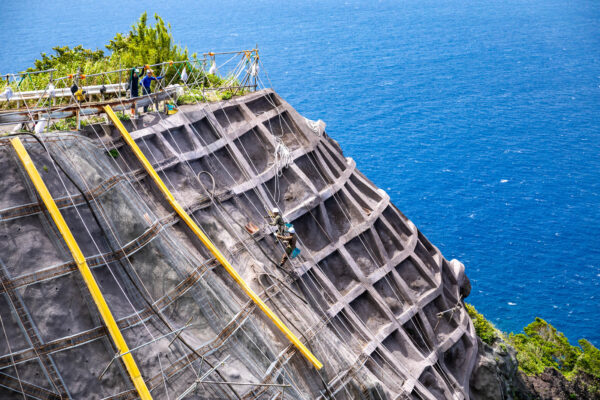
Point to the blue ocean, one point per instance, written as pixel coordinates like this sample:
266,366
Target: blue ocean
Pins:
480,119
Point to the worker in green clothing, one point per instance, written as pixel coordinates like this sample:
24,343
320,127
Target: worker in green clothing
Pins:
133,87
277,220
289,240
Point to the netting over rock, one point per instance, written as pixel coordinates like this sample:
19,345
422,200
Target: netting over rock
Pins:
364,295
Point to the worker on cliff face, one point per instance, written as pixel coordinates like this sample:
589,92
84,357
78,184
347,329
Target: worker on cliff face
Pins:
277,220
147,81
289,240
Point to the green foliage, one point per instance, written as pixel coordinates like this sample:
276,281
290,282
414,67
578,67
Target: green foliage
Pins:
484,329
143,45
191,96
589,360
542,346
123,116
67,124
226,95
146,43
67,60
114,153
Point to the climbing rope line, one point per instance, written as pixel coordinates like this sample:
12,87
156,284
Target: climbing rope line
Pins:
168,179
211,123
293,132
279,171
201,139
12,359
157,311
420,328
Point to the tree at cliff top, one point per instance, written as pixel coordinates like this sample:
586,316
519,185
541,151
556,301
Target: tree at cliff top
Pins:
143,44
146,44
542,346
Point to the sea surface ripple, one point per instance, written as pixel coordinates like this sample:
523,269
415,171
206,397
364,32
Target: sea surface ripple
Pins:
480,119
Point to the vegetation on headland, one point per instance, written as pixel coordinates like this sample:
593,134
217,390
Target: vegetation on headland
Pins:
541,346
144,44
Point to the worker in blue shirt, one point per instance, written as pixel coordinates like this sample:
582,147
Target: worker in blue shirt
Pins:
146,82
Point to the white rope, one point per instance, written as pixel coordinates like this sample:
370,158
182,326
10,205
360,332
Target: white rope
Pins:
51,91
8,93
12,359
283,157
184,75
213,67
420,328
318,127
254,69
40,126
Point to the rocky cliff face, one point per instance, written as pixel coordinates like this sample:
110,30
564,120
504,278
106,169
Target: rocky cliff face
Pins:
369,295
496,376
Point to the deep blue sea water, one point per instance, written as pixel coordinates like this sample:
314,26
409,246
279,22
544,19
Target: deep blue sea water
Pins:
480,119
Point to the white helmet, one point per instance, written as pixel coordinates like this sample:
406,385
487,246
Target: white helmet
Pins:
275,211
292,230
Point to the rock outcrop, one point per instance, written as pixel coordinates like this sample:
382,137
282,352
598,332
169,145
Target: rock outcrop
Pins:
496,376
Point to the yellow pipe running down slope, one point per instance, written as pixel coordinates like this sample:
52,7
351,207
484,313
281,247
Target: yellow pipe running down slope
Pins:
207,242
86,273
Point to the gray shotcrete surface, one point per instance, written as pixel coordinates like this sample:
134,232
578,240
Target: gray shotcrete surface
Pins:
364,295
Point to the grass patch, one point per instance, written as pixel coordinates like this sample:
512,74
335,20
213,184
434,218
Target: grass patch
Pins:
483,328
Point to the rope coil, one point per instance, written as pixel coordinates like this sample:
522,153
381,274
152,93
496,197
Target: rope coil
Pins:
283,157
318,127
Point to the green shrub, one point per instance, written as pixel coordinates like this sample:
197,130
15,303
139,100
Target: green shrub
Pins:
123,116
589,360
542,346
226,95
191,96
67,124
144,44
484,328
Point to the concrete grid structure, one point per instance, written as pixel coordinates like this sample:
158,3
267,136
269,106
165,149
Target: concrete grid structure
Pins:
375,302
